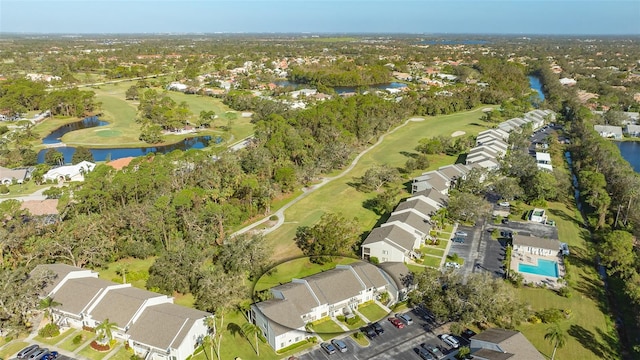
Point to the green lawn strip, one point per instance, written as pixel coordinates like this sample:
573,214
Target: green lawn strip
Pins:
187,300
27,188
431,261
340,197
360,323
12,348
415,268
68,344
361,340
591,332
53,340
432,251
326,328
372,311
122,354
137,271
296,268
448,229
90,353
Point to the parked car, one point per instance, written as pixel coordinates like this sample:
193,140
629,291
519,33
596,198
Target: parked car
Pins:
434,350
369,331
405,318
37,354
452,265
396,322
424,354
377,328
339,344
458,239
467,334
460,233
27,351
53,355
504,203
330,349
450,340
505,221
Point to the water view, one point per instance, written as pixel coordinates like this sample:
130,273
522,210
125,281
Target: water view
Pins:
630,151
536,85
88,122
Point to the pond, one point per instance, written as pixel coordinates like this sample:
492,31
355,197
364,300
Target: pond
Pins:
630,151
197,142
88,122
535,84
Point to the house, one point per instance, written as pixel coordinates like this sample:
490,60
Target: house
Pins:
454,172
411,222
535,245
543,160
420,205
501,344
9,176
568,81
390,243
339,291
154,327
608,131
401,279
494,134
632,130
177,87
537,215
121,163
431,180
70,172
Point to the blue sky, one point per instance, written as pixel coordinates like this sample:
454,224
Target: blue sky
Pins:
324,16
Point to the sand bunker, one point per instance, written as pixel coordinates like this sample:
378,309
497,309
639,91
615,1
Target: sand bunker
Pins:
458,133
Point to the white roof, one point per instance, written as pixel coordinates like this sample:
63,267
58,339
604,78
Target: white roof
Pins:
540,156
69,170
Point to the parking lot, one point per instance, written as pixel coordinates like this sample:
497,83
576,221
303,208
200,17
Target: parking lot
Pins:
50,348
392,344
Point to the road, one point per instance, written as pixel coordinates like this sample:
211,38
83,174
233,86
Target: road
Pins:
34,196
309,190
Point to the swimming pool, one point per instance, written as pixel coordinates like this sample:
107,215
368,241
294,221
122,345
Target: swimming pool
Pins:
544,268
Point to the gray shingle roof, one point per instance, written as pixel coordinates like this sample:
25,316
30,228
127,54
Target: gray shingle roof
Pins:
335,285
75,294
165,326
59,271
512,342
392,233
369,274
419,205
412,220
120,305
399,273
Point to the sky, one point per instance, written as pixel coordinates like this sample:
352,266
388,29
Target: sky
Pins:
562,17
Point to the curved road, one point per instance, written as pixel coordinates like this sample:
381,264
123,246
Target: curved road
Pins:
311,189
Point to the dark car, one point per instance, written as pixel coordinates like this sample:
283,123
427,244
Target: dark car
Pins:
434,350
330,349
369,331
37,354
505,221
27,351
53,355
377,328
458,239
424,354
467,334
339,344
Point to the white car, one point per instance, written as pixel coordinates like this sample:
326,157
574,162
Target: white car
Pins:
504,203
461,233
452,265
450,340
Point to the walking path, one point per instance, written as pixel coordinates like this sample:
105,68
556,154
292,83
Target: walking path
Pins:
309,190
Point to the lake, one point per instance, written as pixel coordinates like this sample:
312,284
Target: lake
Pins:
197,142
536,85
630,151
345,89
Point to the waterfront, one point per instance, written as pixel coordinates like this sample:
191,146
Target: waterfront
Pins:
536,85
630,151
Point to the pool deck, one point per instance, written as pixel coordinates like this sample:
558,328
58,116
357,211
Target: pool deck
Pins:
518,258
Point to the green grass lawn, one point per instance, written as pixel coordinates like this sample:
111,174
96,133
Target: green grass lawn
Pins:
68,344
187,300
137,271
54,340
415,268
361,340
296,268
591,332
372,311
431,261
12,348
122,354
327,329
432,251
340,197
90,353
28,187
355,326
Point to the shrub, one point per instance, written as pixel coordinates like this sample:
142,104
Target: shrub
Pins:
50,330
87,328
77,339
95,346
534,319
565,292
358,335
374,260
353,320
273,218
135,357
456,328
341,318
4,189
549,316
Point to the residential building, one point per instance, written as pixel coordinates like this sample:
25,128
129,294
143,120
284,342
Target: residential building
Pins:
537,215
535,245
632,130
9,176
431,180
543,160
501,344
339,291
390,243
154,327
70,172
410,222
608,131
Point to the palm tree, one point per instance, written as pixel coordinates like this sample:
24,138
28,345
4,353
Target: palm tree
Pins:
105,331
47,304
557,337
249,329
210,322
123,270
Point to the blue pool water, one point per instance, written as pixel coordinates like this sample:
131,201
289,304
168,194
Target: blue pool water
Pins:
544,268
